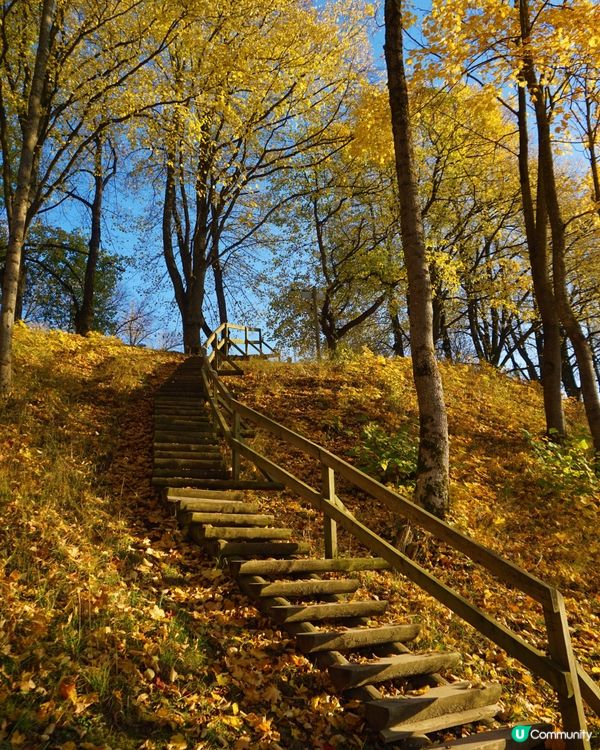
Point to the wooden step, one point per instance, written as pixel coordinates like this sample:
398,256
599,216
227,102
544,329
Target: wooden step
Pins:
217,484
192,473
209,454
197,505
405,732
355,638
259,549
182,411
190,492
349,676
239,532
304,589
437,701
281,568
187,425
230,518
196,438
497,739
207,463
285,614
188,447
170,425
177,397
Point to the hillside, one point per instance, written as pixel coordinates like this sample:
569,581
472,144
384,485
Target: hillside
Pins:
116,633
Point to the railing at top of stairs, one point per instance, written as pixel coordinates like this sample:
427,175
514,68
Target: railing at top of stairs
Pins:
558,667
231,340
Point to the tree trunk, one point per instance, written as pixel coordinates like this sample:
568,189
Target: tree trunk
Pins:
84,319
583,354
398,341
25,177
536,234
432,471
219,285
568,374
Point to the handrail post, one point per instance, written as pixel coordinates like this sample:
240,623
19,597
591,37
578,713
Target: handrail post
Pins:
329,525
235,453
560,650
246,341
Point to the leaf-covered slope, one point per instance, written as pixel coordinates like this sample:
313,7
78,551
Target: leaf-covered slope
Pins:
115,633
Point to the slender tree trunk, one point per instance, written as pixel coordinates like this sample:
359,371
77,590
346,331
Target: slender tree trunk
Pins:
568,374
536,234
583,354
219,285
84,320
397,333
20,206
21,290
433,462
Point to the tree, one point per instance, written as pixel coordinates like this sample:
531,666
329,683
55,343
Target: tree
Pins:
433,460
48,118
17,208
338,237
552,43
256,103
52,280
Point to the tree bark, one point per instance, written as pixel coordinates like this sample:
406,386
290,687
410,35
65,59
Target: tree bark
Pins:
433,463
537,245
583,354
398,341
19,208
189,295
84,318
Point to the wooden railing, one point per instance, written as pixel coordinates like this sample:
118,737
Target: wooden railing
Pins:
558,667
223,343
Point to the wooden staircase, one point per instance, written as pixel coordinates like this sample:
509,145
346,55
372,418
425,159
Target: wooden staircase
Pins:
314,599
186,446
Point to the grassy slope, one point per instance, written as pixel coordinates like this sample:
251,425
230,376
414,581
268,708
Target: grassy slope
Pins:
115,633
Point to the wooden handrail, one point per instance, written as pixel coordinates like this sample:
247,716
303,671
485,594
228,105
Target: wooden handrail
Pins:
560,669
220,342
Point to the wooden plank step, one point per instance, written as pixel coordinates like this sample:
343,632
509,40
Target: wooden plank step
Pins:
260,549
211,453
281,568
187,447
174,397
191,505
196,438
195,416
285,614
404,732
170,425
242,532
497,739
190,425
355,638
304,589
223,484
182,411
208,463
192,473
230,518
189,492
349,676
444,699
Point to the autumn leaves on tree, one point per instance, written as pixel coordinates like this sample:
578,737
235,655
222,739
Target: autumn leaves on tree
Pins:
454,215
